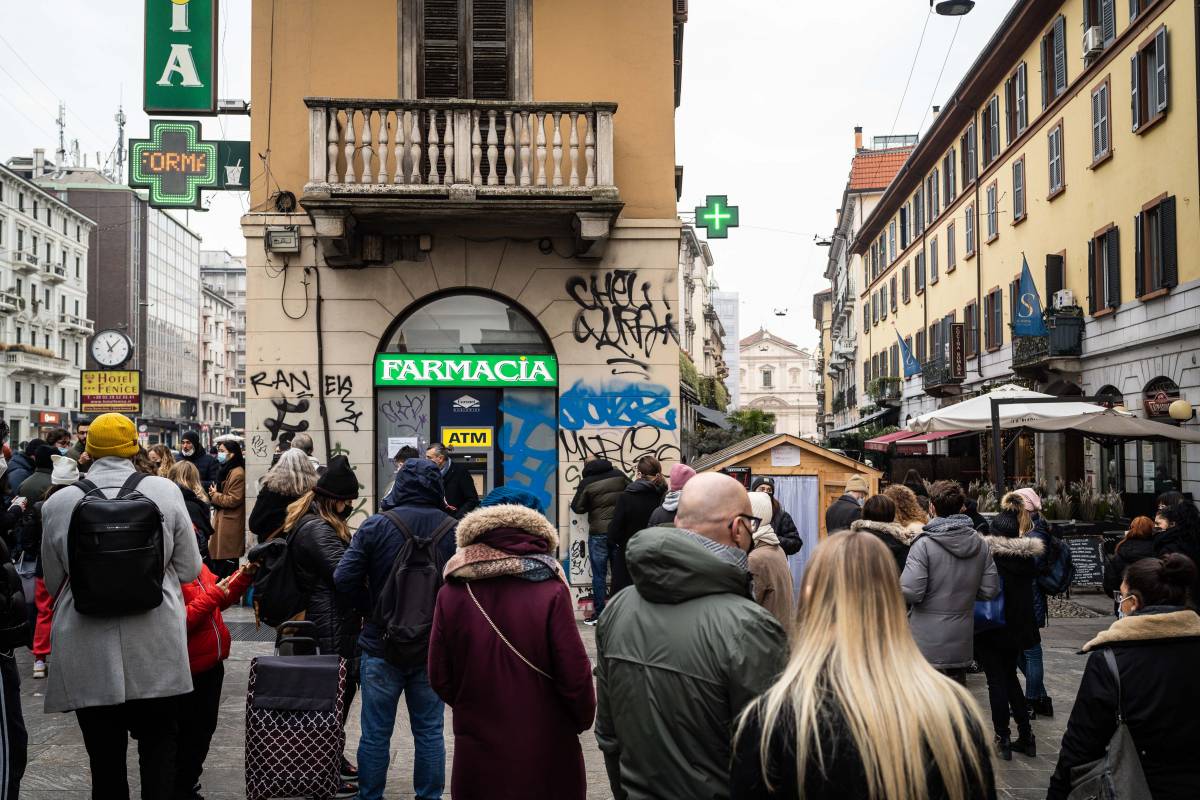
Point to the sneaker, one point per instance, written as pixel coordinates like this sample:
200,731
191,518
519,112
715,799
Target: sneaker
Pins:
591,621
39,669
346,791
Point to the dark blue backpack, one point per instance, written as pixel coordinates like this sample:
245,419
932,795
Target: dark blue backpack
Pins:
1059,570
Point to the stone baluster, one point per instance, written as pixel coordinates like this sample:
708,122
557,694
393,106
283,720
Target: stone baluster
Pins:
525,179
348,147
401,148
493,162
510,168
433,148
448,148
589,149
383,145
415,146
541,147
368,148
556,165
573,145
333,147
476,150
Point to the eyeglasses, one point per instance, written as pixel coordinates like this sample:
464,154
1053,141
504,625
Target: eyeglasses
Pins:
752,523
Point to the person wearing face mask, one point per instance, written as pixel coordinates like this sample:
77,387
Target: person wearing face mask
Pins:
79,449
190,450
847,508
60,440
228,496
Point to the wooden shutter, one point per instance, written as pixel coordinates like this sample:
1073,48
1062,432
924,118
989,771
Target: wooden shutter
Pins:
920,342
1054,276
441,61
895,360
1010,110
904,226
490,50
1093,303
1045,73
1135,90
1160,69
1139,256
907,283
1167,247
1022,97
1112,242
1108,22
895,297
998,310
1060,56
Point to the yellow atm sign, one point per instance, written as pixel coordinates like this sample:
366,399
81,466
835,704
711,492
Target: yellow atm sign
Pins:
467,437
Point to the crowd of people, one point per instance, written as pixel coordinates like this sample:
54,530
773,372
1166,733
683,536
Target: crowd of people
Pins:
719,670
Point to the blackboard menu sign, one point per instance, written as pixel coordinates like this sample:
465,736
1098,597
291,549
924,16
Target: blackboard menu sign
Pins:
1088,557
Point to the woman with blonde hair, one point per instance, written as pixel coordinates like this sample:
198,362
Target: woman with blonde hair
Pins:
162,457
185,475
858,712
909,513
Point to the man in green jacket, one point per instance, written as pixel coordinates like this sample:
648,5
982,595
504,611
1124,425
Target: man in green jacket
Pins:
686,650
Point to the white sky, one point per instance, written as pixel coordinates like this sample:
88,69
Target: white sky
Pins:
772,90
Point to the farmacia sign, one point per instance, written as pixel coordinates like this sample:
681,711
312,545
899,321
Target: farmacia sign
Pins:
404,369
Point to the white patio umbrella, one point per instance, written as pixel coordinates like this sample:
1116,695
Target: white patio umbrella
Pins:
1116,425
976,414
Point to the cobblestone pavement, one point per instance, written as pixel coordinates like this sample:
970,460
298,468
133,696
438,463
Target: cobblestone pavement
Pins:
58,762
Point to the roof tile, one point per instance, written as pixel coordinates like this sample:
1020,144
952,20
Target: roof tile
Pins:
874,169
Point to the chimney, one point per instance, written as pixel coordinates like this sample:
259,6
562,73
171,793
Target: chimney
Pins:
39,160
857,138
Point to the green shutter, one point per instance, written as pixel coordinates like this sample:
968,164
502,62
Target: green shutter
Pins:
1167,246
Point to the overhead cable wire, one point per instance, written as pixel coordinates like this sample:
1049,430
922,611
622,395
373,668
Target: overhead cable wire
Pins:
938,82
911,70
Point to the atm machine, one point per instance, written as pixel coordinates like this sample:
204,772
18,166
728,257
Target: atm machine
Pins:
465,421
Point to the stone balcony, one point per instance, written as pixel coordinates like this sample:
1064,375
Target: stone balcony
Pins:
25,262
383,169
76,323
36,364
54,273
10,302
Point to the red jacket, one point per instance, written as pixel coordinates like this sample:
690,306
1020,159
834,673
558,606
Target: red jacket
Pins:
208,638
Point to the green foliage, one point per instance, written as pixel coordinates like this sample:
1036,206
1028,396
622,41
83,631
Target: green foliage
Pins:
743,424
713,394
751,422
854,439
887,387
687,372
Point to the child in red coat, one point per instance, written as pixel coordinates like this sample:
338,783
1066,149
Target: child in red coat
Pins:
208,647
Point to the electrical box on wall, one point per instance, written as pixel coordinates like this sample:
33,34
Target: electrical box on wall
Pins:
284,239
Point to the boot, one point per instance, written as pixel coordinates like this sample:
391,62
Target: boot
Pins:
1003,748
1026,743
1044,706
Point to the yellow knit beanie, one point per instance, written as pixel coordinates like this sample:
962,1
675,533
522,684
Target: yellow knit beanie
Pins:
112,435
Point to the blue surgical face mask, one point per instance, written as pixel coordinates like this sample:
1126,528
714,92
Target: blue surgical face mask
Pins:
62,451
221,457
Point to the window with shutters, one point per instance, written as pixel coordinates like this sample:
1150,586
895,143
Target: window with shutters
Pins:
920,344
969,231
949,182
991,131
883,301
469,48
932,191
1136,7
951,250
904,227
970,164
993,228
1014,292
933,260
1150,81
894,361
1054,61
866,371
866,320
1102,122
1104,274
1018,183
918,213
905,282
921,271
1155,250
971,325
935,341
993,319
892,242
1016,106
1055,274
1056,166
1101,14
895,296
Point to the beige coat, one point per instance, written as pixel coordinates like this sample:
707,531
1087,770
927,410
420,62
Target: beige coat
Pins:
772,577
229,518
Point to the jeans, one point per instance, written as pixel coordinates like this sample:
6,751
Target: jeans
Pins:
106,731
999,661
197,723
381,685
598,557
1031,666
13,738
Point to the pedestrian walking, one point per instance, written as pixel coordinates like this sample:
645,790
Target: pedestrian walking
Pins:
385,543
64,473
162,458
879,520
190,450
596,496
304,443
916,484
769,565
461,494
1154,648
685,650
947,570
998,648
1179,532
228,497
27,551
1031,661
185,475
858,712
1138,543
665,513
120,639
506,655
781,521
632,514
292,477
848,507
911,514
21,466
14,633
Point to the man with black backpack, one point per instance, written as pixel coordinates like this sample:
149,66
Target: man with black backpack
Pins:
115,549
397,557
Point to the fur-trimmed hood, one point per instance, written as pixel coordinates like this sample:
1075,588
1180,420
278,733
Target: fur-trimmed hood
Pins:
482,520
896,531
1168,623
1015,546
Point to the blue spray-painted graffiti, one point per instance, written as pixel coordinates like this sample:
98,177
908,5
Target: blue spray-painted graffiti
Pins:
616,405
528,442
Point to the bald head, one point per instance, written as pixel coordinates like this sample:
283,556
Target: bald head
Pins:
709,503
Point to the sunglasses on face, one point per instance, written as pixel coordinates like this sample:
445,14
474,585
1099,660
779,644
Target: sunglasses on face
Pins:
752,523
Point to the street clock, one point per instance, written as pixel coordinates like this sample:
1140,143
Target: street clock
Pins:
111,348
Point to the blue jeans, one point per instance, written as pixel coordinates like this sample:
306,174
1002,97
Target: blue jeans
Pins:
1030,663
598,557
381,685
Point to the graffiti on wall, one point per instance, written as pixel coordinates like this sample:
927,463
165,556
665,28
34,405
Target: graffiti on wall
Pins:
616,405
291,393
617,315
527,441
622,447
341,387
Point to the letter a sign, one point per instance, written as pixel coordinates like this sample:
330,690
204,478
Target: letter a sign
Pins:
181,57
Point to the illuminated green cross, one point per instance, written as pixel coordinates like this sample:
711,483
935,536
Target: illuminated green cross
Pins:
716,216
174,164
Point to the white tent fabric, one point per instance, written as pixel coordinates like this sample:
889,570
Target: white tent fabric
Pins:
976,414
1116,424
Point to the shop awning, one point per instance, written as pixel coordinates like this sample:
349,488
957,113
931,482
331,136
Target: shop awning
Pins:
878,415
975,414
881,443
1117,426
918,445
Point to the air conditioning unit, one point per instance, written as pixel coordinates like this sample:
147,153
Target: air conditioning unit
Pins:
1093,41
1064,298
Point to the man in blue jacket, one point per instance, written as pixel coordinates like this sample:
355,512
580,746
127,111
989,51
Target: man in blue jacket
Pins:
417,498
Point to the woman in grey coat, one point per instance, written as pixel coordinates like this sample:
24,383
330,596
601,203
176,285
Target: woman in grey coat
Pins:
949,567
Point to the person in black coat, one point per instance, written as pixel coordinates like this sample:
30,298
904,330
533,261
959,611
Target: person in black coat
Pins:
848,507
190,450
290,479
632,514
879,515
913,480
1137,544
184,475
1157,646
461,494
781,521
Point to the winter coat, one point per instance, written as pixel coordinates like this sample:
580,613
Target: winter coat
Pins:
269,512
678,658
1015,558
208,467
897,537
1041,532
597,495
317,550
842,514
516,734
633,509
786,530
1157,650
229,520
948,569
34,487
416,496
201,515
843,778
773,588
20,467
665,513
208,638
918,488
1177,540
1127,553
461,495
105,661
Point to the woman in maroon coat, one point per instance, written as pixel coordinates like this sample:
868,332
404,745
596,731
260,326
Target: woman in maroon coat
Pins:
505,654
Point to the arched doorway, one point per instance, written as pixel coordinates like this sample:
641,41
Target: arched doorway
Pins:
1160,462
477,373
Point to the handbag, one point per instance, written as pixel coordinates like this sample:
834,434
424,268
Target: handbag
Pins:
1117,775
504,638
989,614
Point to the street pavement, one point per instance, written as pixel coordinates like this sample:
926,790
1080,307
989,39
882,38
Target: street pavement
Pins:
58,762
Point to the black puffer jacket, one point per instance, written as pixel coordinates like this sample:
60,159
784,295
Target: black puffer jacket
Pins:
317,550
201,516
633,510
1127,552
1178,540
842,514
1016,561
785,529
269,512
597,494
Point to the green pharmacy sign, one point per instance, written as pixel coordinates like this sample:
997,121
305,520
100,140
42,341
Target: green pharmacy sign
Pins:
174,164
180,74
412,369
716,216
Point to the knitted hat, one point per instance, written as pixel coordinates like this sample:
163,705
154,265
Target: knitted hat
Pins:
112,435
339,481
760,480
32,446
761,507
680,474
512,496
857,483
1005,524
1030,497
66,471
41,459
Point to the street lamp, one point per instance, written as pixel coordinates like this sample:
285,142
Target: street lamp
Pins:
952,8
1181,411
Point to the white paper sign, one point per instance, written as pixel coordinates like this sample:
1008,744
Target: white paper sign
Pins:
785,455
397,442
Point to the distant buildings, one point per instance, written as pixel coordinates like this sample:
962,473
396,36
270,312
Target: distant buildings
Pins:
726,304
779,378
225,275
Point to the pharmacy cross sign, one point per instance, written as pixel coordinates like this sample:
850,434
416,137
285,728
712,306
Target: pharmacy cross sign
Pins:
174,164
716,216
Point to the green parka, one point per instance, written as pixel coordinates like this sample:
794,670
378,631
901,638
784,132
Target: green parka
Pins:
678,658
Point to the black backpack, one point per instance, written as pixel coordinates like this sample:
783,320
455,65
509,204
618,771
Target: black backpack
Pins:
404,610
279,591
1059,569
115,551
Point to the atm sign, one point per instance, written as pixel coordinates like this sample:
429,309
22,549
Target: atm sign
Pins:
467,437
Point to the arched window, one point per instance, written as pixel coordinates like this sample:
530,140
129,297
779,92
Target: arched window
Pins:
1112,396
468,323
1164,465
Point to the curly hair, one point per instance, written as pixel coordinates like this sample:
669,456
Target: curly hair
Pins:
908,510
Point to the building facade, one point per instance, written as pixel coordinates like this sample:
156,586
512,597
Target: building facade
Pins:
218,363
44,319
225,274
822,305
779,378
1078,154
727,305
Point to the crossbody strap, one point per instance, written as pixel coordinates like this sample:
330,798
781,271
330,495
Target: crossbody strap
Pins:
504,638
1111,659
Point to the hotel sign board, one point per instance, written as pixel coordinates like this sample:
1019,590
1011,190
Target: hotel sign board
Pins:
110,390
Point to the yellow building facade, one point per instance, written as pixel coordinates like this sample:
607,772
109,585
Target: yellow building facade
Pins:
1071,143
